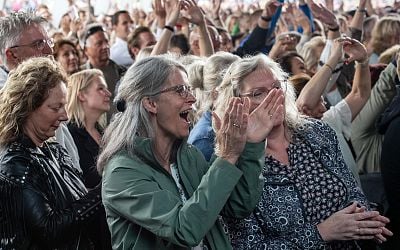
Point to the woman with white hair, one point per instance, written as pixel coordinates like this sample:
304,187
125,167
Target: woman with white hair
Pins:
310,199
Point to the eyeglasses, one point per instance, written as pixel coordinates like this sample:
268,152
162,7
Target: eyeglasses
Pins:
37,44
182,90
259,94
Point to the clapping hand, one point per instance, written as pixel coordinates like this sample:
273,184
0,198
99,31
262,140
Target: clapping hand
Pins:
263,118
231,131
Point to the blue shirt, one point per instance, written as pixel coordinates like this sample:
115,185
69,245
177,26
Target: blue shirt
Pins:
202,136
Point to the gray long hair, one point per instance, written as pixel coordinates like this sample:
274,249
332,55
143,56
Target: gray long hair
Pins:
12,26
233,80
142,79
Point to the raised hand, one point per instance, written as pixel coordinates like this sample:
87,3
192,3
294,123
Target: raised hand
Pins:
173,9
351,224
324,15
271,7
159,9
354,49
193,12
268,114
215,7
231,131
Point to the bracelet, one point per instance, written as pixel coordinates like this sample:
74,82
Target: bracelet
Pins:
329,66
266,18
334,29
169,28
363,63
362,10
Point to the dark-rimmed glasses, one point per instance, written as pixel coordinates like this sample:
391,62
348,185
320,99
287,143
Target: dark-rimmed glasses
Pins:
37,44
259,94
183,90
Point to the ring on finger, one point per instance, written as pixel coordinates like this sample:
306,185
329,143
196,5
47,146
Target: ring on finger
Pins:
236,125
270,116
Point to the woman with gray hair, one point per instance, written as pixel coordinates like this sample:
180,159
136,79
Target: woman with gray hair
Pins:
310,199
158,191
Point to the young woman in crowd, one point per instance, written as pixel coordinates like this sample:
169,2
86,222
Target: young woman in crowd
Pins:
88,103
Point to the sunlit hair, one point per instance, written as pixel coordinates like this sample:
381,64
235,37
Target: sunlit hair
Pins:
232,83
309,52
144,78
26,89
145,52
78,82
206,76
387,56
385,33
13,25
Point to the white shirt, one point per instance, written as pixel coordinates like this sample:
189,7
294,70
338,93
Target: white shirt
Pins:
338,117
119,53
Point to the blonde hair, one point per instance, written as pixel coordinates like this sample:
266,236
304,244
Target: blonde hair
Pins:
309,51
233,81
385,30
387,56
26,89
206,76
78,82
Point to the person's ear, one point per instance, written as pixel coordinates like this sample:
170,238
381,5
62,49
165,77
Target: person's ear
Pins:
10,55
150,105
81,96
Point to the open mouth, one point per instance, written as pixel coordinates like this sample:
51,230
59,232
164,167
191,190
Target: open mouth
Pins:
185,115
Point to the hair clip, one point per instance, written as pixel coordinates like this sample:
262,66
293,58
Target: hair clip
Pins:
121,105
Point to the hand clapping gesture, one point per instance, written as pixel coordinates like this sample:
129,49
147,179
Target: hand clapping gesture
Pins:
231,131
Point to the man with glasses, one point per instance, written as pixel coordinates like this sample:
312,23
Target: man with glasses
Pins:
22,36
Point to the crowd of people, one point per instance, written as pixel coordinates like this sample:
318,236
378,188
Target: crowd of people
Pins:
265,127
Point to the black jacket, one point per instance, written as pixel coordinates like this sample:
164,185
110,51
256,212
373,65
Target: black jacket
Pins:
43,202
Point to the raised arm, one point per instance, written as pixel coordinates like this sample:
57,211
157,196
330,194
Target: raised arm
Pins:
361,89
196,16
173,8
256,41
311,94
326,17
359,16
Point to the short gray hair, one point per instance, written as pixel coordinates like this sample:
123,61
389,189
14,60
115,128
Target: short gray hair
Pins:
13,25
144,78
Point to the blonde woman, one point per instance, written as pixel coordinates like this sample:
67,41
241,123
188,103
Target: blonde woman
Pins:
385,34
88,102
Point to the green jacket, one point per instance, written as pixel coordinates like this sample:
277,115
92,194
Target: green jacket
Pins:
365,138
144,209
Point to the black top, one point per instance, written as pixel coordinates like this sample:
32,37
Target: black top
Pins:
43,202
88,150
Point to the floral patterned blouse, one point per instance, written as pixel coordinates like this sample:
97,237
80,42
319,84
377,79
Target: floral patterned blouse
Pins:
298,196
